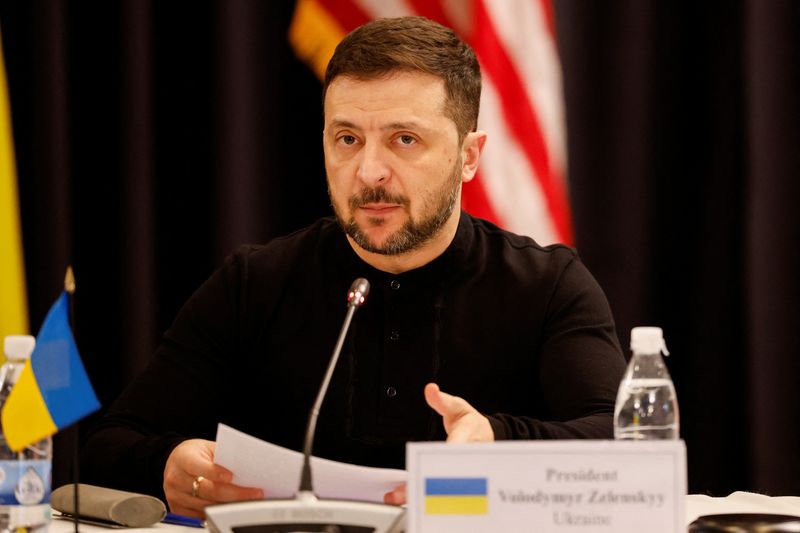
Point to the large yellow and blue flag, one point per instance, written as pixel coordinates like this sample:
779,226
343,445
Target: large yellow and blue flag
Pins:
13,303
53,390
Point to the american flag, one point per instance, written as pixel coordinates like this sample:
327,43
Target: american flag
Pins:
521,184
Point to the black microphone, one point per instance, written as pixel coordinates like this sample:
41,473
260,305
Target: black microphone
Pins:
356,296
305,512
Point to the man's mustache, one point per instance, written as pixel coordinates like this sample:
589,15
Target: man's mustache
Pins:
376,195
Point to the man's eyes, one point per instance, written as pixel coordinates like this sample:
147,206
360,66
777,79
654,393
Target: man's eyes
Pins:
403,140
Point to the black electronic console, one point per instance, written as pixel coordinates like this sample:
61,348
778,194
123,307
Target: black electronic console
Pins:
306,513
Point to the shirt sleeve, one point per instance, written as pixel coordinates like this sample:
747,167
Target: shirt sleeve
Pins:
179,396
580,365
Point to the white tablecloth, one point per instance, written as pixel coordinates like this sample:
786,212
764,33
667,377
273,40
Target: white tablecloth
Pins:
740,502
696,505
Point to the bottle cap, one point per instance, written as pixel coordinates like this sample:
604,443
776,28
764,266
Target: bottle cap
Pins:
19,346
648,340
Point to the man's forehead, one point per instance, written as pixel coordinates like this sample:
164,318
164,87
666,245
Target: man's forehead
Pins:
399,79
401,90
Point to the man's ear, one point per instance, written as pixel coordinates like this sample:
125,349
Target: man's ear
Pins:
471,150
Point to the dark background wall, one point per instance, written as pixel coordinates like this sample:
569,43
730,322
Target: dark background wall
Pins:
153,137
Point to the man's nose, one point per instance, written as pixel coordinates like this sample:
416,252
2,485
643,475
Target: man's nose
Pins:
373,169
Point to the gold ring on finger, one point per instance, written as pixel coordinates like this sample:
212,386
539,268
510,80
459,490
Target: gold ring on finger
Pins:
196,486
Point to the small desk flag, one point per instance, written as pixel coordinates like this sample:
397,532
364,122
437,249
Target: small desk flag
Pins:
53,390
466,495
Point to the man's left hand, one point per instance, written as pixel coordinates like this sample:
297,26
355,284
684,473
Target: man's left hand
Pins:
462,422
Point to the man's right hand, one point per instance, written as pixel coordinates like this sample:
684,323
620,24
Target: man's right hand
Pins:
191,466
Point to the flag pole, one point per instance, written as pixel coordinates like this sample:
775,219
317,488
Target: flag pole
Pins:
69,287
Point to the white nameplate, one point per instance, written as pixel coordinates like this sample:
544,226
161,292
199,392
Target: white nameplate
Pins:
543,486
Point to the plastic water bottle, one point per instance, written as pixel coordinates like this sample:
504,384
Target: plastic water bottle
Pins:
647,407
24,476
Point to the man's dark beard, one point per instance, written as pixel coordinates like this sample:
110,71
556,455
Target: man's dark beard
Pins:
413,234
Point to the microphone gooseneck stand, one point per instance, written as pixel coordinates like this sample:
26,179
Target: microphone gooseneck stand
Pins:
306,513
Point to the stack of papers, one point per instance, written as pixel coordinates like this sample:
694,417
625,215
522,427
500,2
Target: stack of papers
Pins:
276,470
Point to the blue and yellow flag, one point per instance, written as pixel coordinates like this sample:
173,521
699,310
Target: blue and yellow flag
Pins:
13,302
460,495
53,390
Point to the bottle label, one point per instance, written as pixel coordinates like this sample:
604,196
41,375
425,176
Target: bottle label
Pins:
25,482
31,518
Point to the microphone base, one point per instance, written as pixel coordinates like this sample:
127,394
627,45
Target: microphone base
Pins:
305,514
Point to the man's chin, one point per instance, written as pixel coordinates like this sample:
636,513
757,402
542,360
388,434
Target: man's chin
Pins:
376,244
379,226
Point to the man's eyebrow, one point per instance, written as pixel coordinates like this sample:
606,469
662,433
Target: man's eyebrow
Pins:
411,125
408,125
338,123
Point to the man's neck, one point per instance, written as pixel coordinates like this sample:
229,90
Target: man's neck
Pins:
397,264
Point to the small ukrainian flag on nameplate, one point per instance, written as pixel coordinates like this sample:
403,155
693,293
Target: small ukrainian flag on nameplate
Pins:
456,495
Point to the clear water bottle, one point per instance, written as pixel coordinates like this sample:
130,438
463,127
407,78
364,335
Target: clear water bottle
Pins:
24,476
647,407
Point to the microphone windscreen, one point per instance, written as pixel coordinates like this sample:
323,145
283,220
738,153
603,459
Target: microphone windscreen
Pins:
110,505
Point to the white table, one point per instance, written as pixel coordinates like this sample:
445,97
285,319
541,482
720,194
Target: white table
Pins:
696,505
740,502
63,526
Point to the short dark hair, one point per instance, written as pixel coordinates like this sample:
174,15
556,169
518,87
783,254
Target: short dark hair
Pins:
413,44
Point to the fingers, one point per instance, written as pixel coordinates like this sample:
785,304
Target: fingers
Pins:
191,466
199,461
225,492
396,497
450,407
209,493
470,429
433,397
462,422
446,405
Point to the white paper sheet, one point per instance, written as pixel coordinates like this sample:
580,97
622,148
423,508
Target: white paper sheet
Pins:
276,470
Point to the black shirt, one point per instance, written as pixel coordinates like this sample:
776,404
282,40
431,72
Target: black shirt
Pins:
522,332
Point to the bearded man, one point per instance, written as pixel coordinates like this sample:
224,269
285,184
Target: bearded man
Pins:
519,335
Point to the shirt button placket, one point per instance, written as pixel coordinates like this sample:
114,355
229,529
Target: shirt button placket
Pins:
393,337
